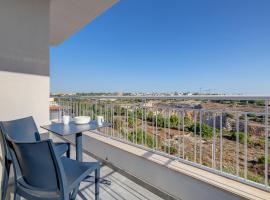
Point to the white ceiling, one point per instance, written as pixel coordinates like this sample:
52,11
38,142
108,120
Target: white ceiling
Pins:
69,16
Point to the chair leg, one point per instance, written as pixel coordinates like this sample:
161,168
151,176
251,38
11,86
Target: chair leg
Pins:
74,193
16,196
68,151
4,186
97,177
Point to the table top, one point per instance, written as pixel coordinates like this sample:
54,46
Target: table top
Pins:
72,128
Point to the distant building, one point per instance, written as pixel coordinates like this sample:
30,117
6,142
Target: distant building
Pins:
187,94
119,94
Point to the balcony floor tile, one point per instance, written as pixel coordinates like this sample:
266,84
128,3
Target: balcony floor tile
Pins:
121,188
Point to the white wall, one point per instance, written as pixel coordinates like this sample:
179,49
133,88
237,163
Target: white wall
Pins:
24,59
24,95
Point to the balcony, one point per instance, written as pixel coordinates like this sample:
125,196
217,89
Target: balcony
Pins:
216,143
158,147
174,147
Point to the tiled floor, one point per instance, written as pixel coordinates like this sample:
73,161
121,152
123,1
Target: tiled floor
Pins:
121,187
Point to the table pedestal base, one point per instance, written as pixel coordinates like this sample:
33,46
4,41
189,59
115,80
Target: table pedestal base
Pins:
79,153
91,179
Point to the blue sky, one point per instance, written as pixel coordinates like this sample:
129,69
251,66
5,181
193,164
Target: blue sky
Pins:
169,45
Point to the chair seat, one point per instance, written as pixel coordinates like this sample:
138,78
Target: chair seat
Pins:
77,171
61,148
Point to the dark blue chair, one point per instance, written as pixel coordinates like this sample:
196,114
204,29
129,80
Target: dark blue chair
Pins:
6,162
40,174
23,130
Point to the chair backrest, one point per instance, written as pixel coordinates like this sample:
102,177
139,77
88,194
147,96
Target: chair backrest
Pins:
36,165
4,148
22,130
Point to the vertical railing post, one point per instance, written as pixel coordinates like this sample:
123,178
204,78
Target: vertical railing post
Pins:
96,109
100,108
183,131
237,144
156,129
69,103
165,133
266,142
153,129
118,128
145,126
59,110
136,125
91,107
169,132
246,147
179,137
133,124
126,123
106,117
112,119
120,121
214,142
79,108
195,136
200,137
142,124
221,142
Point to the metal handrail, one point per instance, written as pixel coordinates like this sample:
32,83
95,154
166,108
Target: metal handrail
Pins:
69,105
184,97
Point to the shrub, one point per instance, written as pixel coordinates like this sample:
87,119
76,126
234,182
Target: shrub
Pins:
255,117
250,175
251,115
256,142
123,111
160,121
117,123
261,160
242,117
260,103
230,115
173,121
166,148
150,116
207,131
131,122
142,136
139,113
242,136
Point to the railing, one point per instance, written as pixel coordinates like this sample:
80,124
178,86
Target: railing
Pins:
228,135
